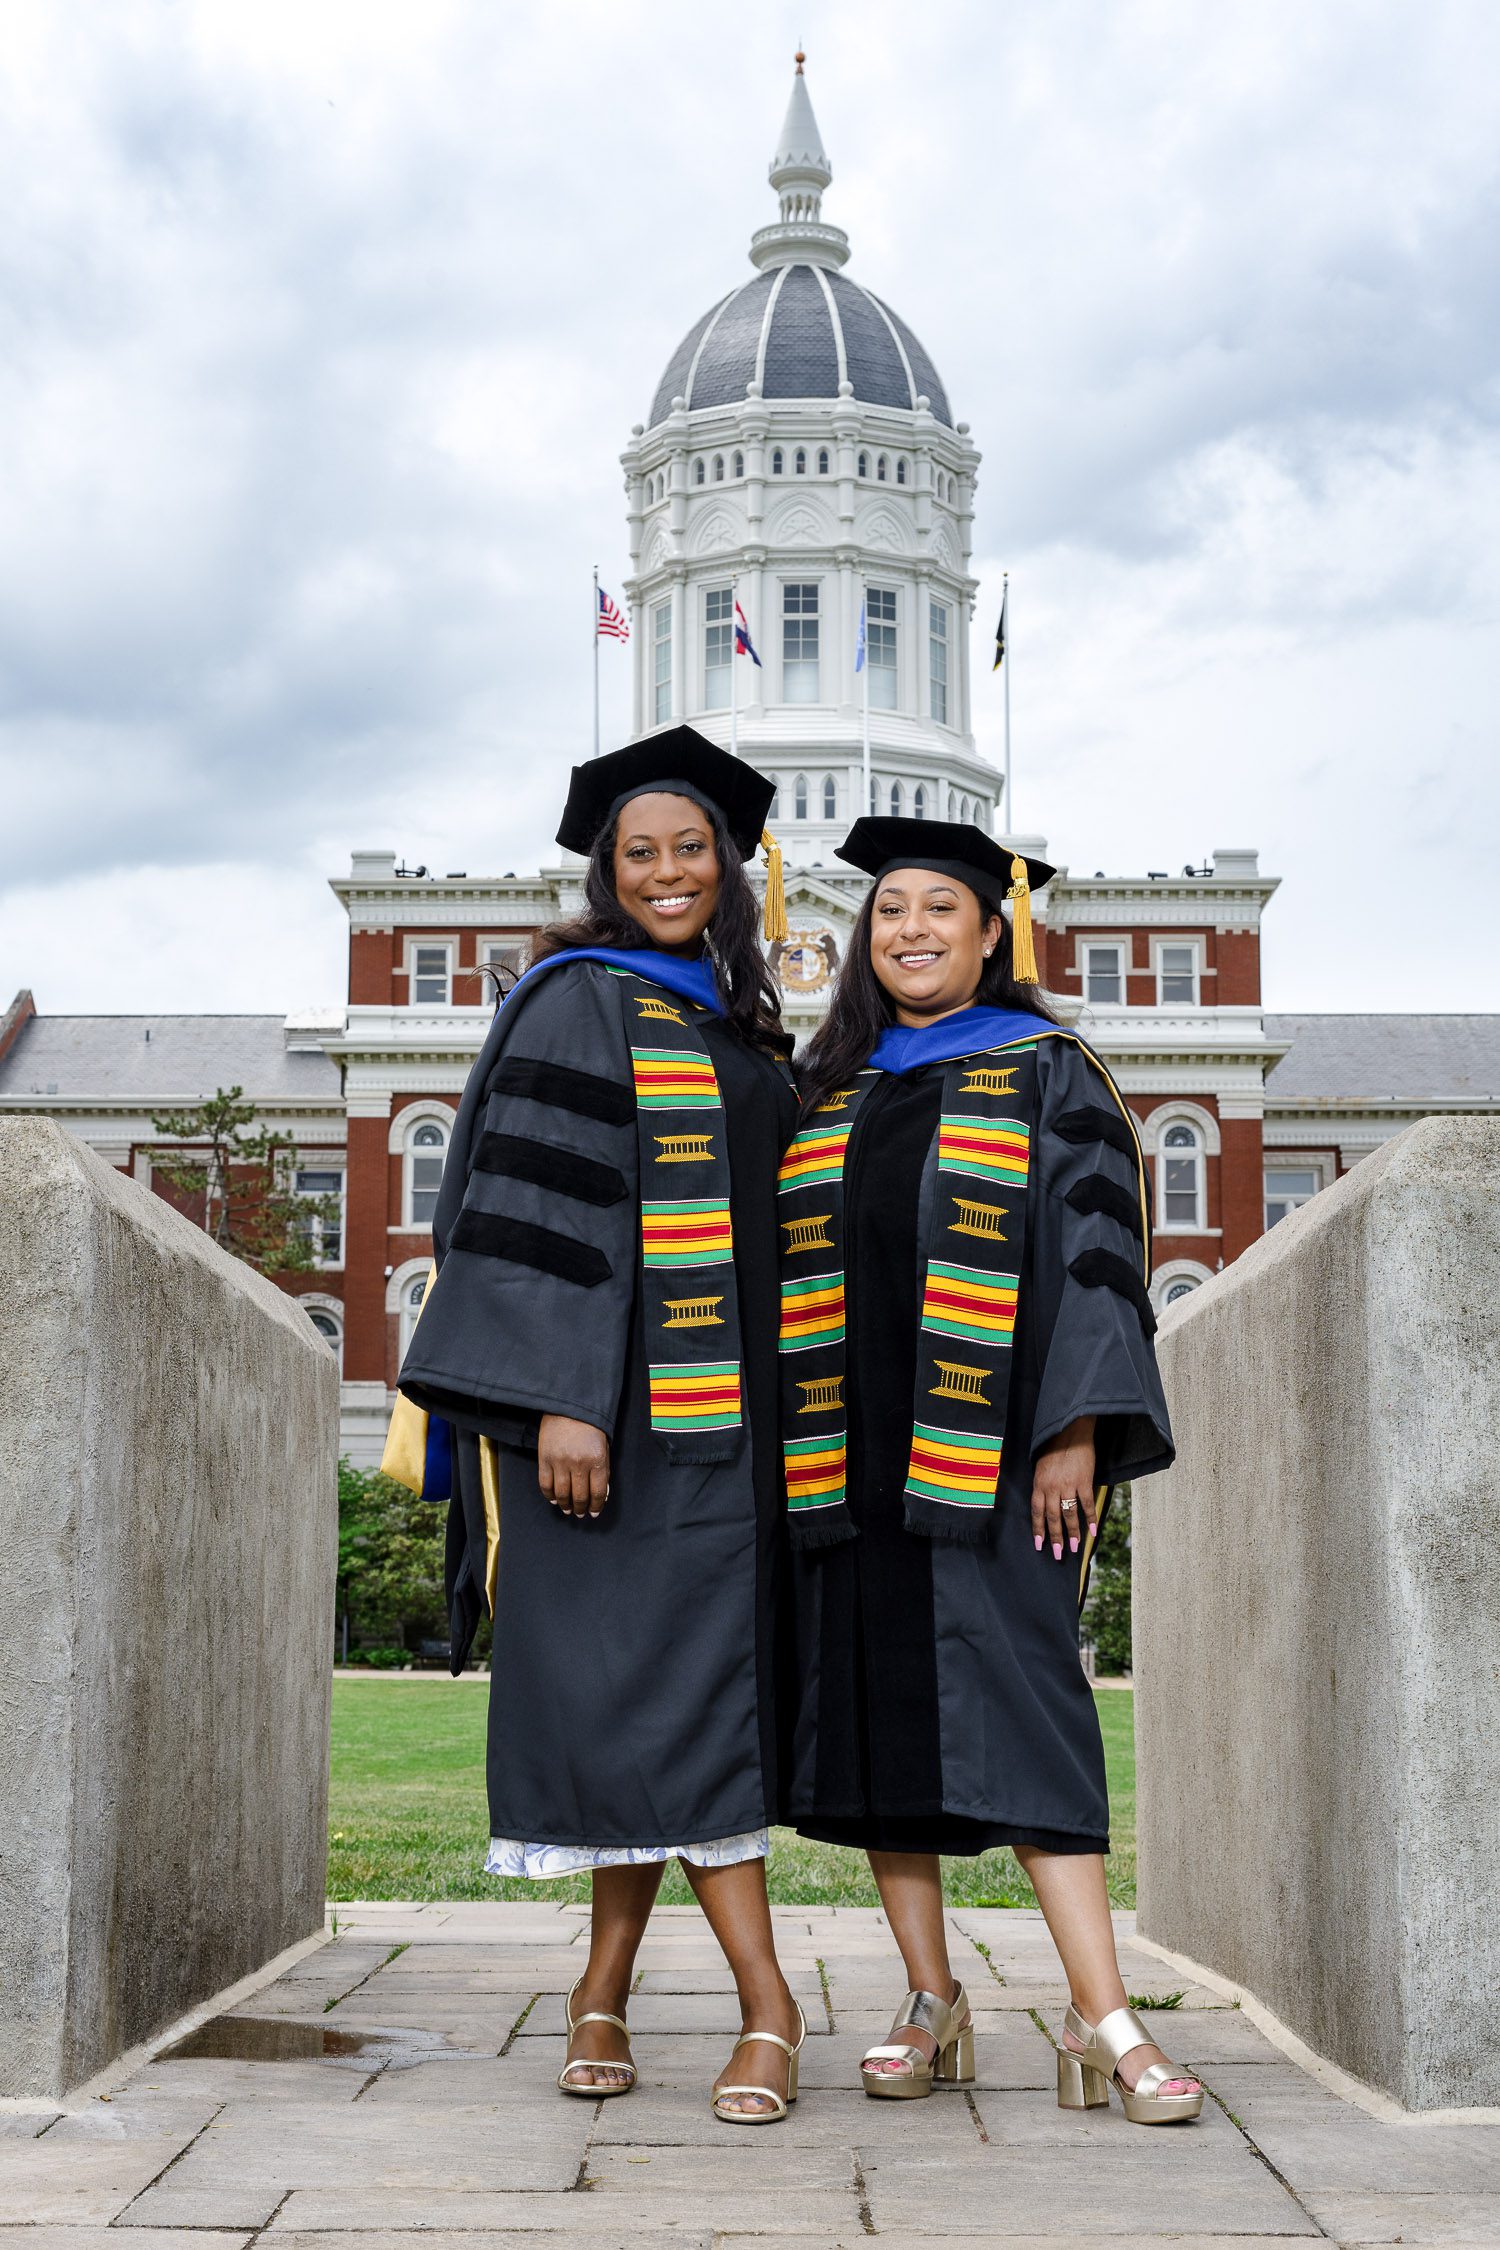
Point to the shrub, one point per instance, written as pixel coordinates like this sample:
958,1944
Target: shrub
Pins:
390,1588
1106,1615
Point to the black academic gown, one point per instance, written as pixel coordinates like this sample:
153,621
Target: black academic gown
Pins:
944,1707
642,1660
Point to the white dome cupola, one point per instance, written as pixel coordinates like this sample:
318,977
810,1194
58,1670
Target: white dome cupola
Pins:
801,458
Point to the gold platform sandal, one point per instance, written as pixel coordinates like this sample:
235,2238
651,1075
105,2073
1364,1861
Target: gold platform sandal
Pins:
953,2063
1084,2080
766,2093
593,2093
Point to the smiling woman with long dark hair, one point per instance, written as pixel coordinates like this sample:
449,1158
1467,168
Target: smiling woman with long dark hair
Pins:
597,1357
967,1370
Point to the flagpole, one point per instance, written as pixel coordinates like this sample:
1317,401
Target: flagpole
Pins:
596,660
864,673
1010,812
734,677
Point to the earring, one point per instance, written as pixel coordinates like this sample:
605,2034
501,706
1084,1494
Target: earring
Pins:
989,949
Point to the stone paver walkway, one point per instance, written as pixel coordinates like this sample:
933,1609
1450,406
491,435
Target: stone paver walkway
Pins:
435,2115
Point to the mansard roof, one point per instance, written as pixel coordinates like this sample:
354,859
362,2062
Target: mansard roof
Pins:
1420,1059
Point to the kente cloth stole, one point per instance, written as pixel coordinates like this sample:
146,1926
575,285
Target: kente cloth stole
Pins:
971,1272
687,1250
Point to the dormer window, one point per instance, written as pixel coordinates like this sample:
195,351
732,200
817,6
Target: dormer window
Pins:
880,470
799,797
739,464
777,462
864,464
700,472
718,468
822,460
800,462
830,797
900,472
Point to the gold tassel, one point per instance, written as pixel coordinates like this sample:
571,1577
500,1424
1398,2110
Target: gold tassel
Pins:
1022,941
775,917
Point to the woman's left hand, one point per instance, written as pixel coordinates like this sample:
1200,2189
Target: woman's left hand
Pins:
1062,1492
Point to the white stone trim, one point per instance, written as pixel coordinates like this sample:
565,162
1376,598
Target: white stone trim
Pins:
366,1101
1179,1113
399,1277
1177,1269
415,1113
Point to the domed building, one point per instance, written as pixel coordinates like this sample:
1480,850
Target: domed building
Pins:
801,458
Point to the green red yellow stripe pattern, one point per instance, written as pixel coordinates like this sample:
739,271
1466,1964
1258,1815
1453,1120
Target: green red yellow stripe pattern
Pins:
962,1301
673,1078
960,1467
812,1311
984,1148
686,1234
815,1472
706,1397
815,1156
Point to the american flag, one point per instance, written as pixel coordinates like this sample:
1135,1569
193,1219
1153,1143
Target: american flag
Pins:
612,625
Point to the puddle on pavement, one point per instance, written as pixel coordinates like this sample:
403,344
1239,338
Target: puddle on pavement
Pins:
273,2039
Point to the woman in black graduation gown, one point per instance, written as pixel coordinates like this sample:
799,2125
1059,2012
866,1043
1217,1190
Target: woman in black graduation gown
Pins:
967,1370
597,1361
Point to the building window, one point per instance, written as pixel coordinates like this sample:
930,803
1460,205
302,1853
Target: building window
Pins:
411,1305
1288,1191
330,1328
1177,976
900,472
1104,975
718,468
661,663
874,798
880,646
919,802
937,661
880,470
718,647
1181,1287
864,464
323,1231
776,462
431,975
739,464
830,797
700,472
800,461
506,956
426,1146
1182,1179
799,797
822,460
773,810
799,643
897,808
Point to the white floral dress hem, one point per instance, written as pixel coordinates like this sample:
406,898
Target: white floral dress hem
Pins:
538,1862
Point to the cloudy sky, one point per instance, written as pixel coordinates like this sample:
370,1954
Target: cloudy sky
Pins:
323,325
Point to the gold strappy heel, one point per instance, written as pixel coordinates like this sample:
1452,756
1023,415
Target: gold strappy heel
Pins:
953,2062
766,2093
593,2093
1084,2080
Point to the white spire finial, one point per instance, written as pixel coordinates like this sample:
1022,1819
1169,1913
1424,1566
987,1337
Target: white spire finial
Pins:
799,172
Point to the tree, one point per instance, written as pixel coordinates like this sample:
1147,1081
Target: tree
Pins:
1106,1616
239,1175
390,1565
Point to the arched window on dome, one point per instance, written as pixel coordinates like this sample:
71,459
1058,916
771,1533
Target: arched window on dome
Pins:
897,807
822,460
919,802
700,471
739,464
799,462
773,810
880,470
799,797
830,797
864,464
777,463
963,810
718,468
900,472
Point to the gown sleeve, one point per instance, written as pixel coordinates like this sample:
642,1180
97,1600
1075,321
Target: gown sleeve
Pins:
537,1223
1089,1271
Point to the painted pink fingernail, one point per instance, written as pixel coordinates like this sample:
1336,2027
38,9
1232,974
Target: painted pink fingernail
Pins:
1093,1531
1057,1550
1038,1542
1072,1546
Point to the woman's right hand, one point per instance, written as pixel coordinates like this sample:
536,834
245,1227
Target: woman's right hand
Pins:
572,1464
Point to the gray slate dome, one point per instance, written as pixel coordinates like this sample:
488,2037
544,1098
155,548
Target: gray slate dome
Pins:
785,328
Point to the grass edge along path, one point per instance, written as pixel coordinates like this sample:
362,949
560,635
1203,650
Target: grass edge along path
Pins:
407,1816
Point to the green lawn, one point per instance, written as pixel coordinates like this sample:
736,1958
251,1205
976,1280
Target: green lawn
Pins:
407,1811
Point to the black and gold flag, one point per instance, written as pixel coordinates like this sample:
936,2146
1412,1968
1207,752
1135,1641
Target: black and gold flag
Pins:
1000,629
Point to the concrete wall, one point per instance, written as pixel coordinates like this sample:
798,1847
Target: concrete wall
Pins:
168,1432
1317,1622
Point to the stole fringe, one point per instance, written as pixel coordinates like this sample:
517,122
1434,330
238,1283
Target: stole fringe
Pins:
963,1531
808,1538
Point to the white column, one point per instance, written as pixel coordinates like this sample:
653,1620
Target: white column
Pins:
679,649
